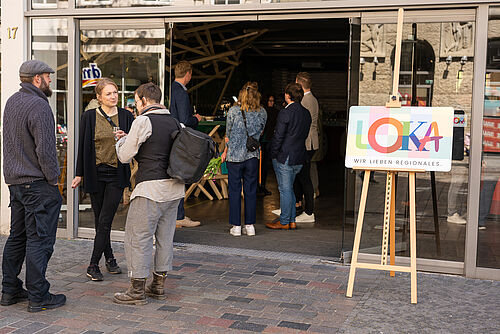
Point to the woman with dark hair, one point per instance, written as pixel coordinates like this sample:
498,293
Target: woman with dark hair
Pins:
105,176
265,140
246,119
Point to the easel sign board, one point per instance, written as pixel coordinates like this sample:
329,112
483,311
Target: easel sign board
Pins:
400,138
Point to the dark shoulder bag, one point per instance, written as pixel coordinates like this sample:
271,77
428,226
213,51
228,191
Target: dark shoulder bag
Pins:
252,143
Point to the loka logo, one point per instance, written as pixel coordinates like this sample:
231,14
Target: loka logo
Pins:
91,75
418,133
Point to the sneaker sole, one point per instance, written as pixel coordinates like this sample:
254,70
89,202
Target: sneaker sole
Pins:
131,302
114,272
94,279
39,309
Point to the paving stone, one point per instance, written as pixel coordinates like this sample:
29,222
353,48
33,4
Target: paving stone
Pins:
193,265
210,272
169,308
173,276
238,299
294,325
31,328
237,317
51,329
265,273
293,281
92,332
291,305
248,326
239,275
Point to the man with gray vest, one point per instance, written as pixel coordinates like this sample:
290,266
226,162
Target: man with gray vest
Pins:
154,201
31,171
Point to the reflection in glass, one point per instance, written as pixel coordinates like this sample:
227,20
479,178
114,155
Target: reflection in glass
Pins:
122,3
49,4
441,219
49,43
130,57
489,201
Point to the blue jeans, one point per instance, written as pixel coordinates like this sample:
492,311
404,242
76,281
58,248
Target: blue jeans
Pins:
248,171
285,174
35,208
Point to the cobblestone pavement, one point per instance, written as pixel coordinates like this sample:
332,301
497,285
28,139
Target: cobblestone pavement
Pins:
224,293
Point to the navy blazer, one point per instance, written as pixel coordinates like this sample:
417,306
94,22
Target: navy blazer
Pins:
85,165
292,129
180,107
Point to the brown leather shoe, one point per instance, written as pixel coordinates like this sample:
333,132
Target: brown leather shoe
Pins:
293,226
278,226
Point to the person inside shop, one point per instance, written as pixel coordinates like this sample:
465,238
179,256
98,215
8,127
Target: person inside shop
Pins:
303,186
181,109
288,151
104,176
247,119
265,143
155,199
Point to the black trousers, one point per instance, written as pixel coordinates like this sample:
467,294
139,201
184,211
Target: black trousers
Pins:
104,204
35,208
303,185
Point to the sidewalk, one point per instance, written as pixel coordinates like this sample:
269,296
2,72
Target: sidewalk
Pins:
222,293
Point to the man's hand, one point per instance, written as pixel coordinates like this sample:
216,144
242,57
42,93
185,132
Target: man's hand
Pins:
119,134
76,182
198,117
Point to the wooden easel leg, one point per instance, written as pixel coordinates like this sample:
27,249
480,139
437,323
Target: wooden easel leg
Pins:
392,232
413,240
387,217
357,236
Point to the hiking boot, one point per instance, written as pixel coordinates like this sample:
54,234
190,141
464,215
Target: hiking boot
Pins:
8,299
112,266
53,301
156,289
94,272
135,295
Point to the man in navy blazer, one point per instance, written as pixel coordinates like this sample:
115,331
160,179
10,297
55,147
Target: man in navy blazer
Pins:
288,151
181,109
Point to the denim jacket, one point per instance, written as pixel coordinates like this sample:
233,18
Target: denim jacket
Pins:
235,131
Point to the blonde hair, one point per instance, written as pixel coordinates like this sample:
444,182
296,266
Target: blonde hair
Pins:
103,83
249,97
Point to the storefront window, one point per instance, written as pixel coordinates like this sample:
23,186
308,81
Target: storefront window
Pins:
489,203
436,70
49,43
49,4
130,57
122,3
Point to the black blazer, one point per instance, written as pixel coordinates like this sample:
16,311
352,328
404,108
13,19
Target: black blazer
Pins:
292,128
180,107
85,165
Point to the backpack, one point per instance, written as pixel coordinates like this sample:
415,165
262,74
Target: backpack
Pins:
191,152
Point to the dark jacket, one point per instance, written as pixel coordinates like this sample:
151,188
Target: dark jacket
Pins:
85,165
292,128
29,141
180,107
272,116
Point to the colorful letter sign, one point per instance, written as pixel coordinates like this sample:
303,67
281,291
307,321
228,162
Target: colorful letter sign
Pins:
91,75
406,138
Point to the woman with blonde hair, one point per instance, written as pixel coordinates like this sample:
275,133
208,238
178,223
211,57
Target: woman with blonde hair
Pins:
244,125
104,175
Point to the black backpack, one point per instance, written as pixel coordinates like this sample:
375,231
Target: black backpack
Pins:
191,152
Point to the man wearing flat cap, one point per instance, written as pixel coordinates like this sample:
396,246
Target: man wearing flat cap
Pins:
31,171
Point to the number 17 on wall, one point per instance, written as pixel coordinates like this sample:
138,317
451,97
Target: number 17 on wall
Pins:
12,32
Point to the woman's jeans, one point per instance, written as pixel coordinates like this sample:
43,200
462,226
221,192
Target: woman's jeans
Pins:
285,174
104,203
248,171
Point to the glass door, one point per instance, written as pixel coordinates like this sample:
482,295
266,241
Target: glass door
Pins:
130,53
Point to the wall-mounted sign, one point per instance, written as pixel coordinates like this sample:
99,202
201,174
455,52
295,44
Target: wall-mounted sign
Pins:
91,75
405,138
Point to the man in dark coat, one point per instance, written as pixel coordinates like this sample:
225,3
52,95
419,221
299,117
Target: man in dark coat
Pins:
181,109
31,171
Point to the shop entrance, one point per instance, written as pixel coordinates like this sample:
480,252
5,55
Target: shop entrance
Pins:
225,55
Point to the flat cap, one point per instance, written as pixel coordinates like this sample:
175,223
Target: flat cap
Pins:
33,67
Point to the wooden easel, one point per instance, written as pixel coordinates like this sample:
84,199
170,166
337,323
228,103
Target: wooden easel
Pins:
389,207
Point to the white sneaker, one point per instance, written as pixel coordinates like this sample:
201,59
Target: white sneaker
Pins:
249,230
305,218
456,219
235,230
187,222
277,212
482,227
